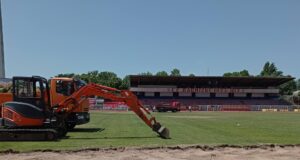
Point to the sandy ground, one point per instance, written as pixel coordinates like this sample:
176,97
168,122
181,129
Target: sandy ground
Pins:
191,153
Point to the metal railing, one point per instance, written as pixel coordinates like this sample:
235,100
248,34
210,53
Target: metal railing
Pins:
247,108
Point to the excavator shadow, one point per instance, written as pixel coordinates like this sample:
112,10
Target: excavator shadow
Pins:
87,130
148,137
100,130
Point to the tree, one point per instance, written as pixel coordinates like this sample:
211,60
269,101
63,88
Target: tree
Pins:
69,75
243,73
5,87
288,88
232,74
192,75
146,74
125,83
106,78
162,73
109,79
85,77
298,84
270,70
90,77
175,72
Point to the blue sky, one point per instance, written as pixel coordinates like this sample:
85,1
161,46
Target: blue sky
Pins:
47,37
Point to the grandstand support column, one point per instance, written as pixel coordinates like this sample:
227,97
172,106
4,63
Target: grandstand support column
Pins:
2,65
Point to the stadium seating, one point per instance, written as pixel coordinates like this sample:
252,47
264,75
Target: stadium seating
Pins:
223,104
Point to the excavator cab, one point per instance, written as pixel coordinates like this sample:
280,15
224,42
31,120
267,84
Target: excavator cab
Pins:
32,90
30,103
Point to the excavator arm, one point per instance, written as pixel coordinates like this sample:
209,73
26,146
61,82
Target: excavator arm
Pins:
69,104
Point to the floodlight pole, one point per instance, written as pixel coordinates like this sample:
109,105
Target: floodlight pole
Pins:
2,61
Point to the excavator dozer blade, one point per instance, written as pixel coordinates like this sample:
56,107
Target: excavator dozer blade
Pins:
162,131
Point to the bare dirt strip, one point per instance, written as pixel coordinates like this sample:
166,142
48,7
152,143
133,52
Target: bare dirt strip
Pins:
261,152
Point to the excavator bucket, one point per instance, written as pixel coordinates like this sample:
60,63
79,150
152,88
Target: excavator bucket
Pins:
165,133
162,131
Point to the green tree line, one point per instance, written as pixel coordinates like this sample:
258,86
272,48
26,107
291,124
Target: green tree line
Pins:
270,70
111,79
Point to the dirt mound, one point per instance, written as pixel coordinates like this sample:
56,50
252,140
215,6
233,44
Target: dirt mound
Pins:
224,152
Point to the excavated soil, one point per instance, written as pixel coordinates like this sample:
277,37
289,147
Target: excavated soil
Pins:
264,152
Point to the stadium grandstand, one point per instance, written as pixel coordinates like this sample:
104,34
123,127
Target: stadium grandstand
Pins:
212,93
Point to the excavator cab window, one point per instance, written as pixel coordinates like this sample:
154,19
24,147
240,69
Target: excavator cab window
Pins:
32,90
79,83
64,87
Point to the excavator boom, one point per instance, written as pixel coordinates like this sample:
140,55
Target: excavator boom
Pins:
69,104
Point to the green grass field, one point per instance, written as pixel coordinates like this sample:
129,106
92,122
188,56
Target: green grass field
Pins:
209,128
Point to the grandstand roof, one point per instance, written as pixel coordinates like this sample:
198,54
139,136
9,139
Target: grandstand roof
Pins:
208,81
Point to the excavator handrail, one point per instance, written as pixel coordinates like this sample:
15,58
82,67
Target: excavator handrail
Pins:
115,95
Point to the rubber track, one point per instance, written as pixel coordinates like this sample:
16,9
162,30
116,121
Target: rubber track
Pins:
27,134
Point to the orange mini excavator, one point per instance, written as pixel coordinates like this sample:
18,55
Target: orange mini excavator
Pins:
60,89
30,115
